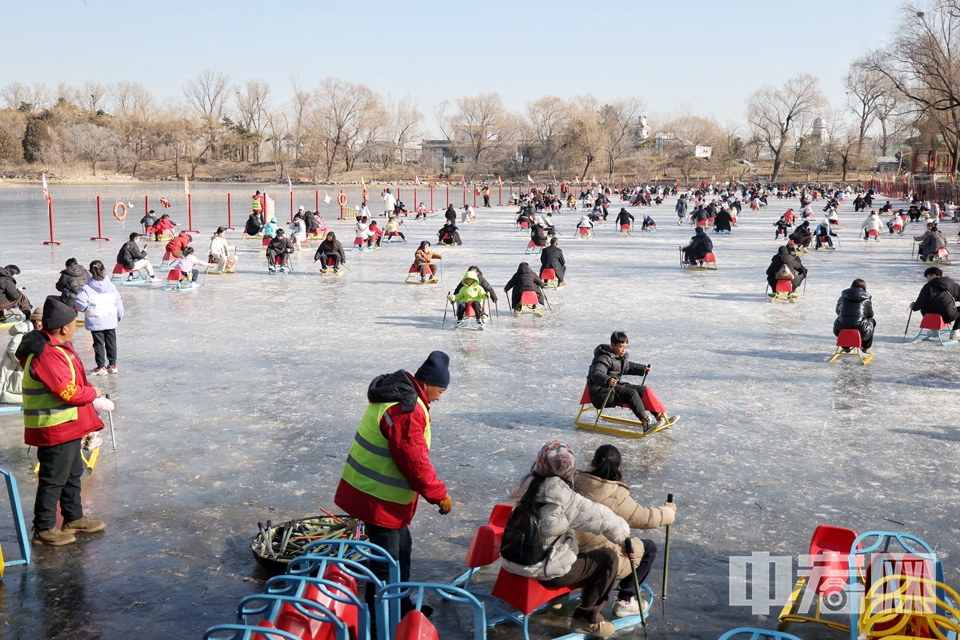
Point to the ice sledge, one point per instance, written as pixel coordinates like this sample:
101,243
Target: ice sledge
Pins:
625,229
942,256
529,302
850,339
630,427
134,276
470,317
932,326
784,291
549,278
413,275
533,249
709,263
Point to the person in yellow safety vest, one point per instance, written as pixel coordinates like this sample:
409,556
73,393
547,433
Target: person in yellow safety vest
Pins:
257,203
59,408
388,467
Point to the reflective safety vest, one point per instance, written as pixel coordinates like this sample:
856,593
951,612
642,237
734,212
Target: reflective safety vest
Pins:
370,467
41,407
257,205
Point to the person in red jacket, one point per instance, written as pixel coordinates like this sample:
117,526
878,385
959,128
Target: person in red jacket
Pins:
59,408
389,467
177,245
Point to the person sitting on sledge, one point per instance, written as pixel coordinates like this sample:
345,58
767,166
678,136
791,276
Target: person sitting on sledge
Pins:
824,234
931,241
603,483
270,230
148,221
624,218
376,235
722,221
280,247
468,214
421,262
585,223
298,229
538,235
132,257
801,236
163,228
526,216
176,246
393,229
871,223
399,208
523,280
491,292
552,258
254,225
470,292
330,248
605,383
896,219
449,234
220,252
362,232
786,256
789,217
421,212
189,264
648,224
782,225
939,296
700,245
547,494
855,311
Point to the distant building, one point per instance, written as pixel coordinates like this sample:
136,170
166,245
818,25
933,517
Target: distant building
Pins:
887,164
819,130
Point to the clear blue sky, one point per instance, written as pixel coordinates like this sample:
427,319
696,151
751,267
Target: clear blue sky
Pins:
708,55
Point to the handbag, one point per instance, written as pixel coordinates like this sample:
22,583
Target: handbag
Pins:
785,273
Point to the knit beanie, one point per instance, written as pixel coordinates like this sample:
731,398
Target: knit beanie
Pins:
56,315
435,370
556,459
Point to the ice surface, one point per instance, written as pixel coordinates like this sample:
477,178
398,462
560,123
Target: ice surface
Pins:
236,403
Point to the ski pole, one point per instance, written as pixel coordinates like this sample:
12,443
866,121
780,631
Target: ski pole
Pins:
628,544
807,277
113,434
909,317
546,299
446,303
666,563
497,307
604,406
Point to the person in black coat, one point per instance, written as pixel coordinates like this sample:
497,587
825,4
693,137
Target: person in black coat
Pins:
855,311
538,235
450,214
606,372
279,247
700,245
523,280
802,237
552,258
786,256
132,257
72,279
11,297
449,234
624,217
939,296
148,221
254,225
330,248
491,292
722,221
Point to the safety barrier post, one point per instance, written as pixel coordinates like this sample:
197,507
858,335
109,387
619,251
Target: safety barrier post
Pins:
291,206
100,223
230,213
146,205
50,213
342,201
474,197
398,193
317,203
464,194
448,195
500,195
190,213
431,197
415,205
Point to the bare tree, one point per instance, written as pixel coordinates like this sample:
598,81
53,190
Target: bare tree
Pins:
19,96
252,104
299,105
337,121
548,117
279,136
865,92
616,120
771,113
405,116
479,123
583,135
93,96
91,142
207,95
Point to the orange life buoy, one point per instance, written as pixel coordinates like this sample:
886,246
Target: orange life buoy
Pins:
342,199
165,203
117,206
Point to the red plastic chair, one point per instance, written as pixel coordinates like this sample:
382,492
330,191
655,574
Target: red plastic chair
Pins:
524,225
167,259
415,626
784,289
850,339
529,302
584,232
932,326
549,277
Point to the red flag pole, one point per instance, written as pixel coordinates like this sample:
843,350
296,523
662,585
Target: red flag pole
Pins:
190,213
50,213
146,205
230,213
99,223
500,196
317,204
431,197
291,206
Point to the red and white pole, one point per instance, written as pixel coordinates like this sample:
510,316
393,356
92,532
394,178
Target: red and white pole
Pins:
99,223
50,213
291,205
190,214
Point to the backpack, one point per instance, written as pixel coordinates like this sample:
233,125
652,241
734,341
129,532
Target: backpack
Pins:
522,541
785,273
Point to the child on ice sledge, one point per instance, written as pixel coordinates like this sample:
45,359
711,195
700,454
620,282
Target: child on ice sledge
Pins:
471,293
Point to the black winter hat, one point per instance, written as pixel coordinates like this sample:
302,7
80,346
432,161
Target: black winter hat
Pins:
435,370
57,315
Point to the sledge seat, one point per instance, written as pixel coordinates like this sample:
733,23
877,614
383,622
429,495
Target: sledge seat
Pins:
167,259
932,326
702,224
358,243
850,339
413,275
898,228
135,275
524,224
484,548
529,302
415,626
784,291
533,249
828,577
584,232
708,263
942,256
873,233
296,617
549,277
611,424
175,279
624,228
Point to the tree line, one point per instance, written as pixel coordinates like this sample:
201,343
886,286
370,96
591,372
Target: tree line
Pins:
901,96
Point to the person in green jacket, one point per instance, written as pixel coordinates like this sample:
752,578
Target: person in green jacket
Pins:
469,293
270,231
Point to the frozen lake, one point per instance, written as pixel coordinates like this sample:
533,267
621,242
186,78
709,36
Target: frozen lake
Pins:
236,403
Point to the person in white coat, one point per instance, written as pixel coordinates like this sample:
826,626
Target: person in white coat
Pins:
871,223
548,490
363,232
389,203
11,373
220,252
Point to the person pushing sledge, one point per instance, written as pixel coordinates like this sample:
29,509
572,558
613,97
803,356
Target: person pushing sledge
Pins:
606,386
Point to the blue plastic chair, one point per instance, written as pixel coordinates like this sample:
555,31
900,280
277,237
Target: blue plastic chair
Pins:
245,632
751,633
271,604
295,585
416,590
